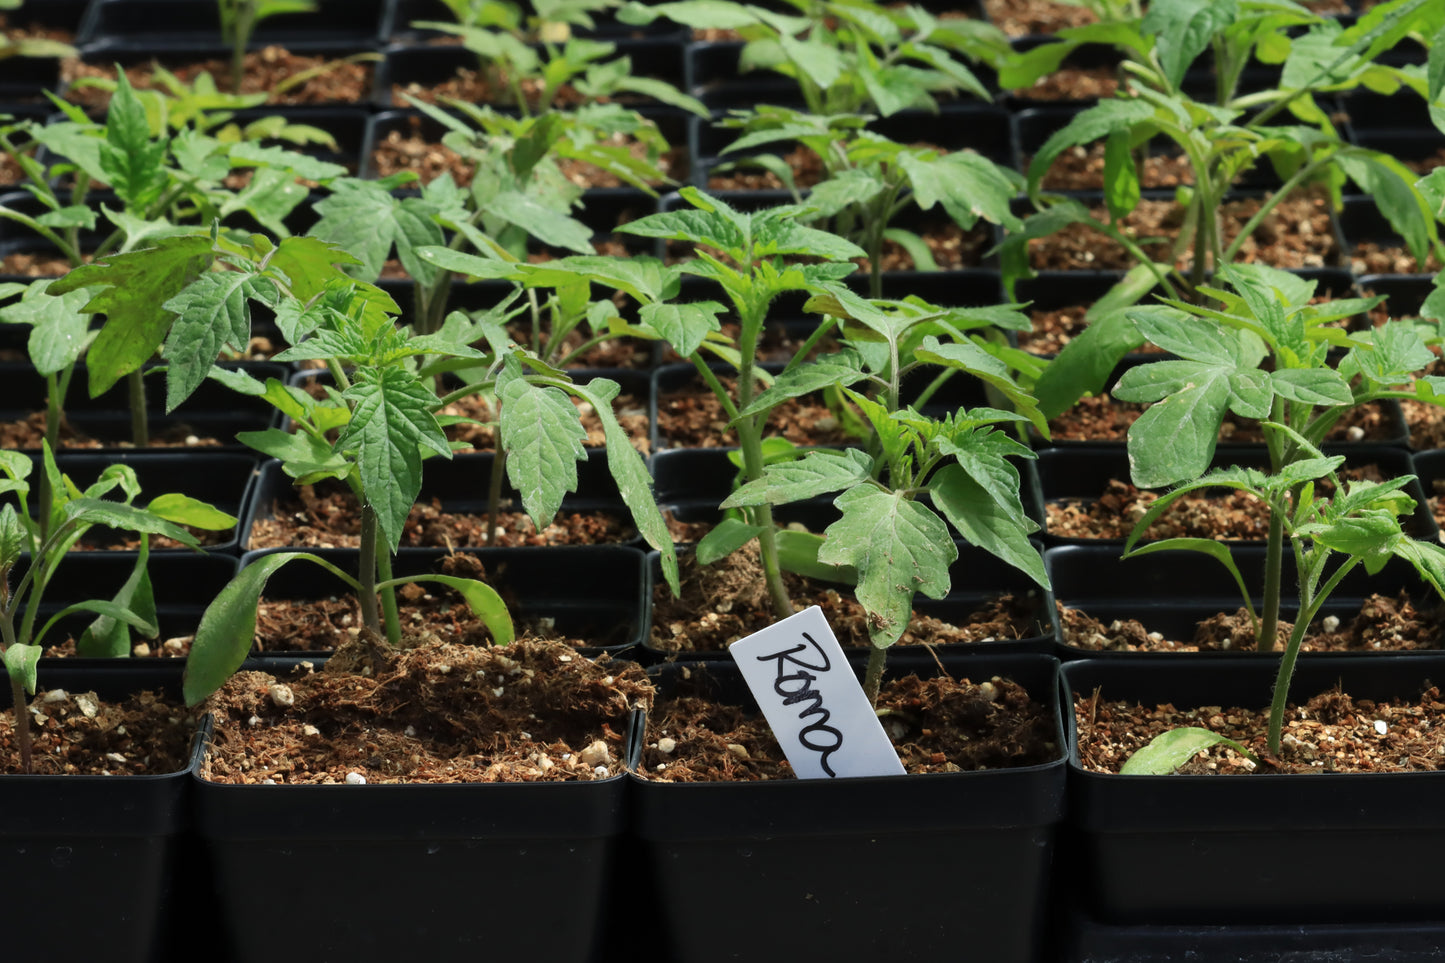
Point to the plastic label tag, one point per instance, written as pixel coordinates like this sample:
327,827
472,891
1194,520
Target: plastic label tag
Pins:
813,701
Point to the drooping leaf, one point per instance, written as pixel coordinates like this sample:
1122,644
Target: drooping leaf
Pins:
1183,29
59,327
185,510
209,314
544,440
488,606
108,636
133,289
391,421
898,547
998,526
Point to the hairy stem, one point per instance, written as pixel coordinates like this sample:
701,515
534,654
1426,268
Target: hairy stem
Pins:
750,437
873,675
20,707
140,430
370,616
494,488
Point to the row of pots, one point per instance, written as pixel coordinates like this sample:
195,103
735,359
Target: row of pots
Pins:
1044,863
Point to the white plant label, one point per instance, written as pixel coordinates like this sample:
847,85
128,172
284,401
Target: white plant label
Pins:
815,705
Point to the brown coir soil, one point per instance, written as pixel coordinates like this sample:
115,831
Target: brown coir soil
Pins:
1330,733
78,734
265,70
1019,18
326,516
532,711
1101,418
29,431
937,725
723,602
1382,624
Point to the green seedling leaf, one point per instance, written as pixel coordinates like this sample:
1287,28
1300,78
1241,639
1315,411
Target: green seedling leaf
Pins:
482,599
817,473
228,626
12,535
1313,386
798,553
1183,29
843,368
1168,751
134,288
302,456
898,547
363,218
185,510
391,421
1121,175
1392,185
544,440
133,163
630,473
93,511
684,326
545,224
21,661
209,314
310,264
59,327
726,537
1215,550
998,526
105,609
967,184
107,637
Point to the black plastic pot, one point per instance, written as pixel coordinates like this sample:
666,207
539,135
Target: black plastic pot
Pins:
224,479
538,854
158,25
1255,849
803,864
1171,592
1403,110
1084,474
119,837
460,484
1361,221
23,79
588,592
213,411
184,584
656,57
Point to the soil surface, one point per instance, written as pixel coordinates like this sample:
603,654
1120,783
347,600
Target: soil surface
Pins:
807,172
1081,168
26,265
692,417
1295,234
937,725
29,431
1056,328
326,516
1331,733
1371,257
1019,18
1220,514
1382,624
1072,83
1101,418
533,711
430,159
78,734
266,69
723,602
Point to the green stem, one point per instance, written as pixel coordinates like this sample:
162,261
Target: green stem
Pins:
367,569
1273,577
494,488
19,705
390,618
140,432
873,675
1309,606
750,436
